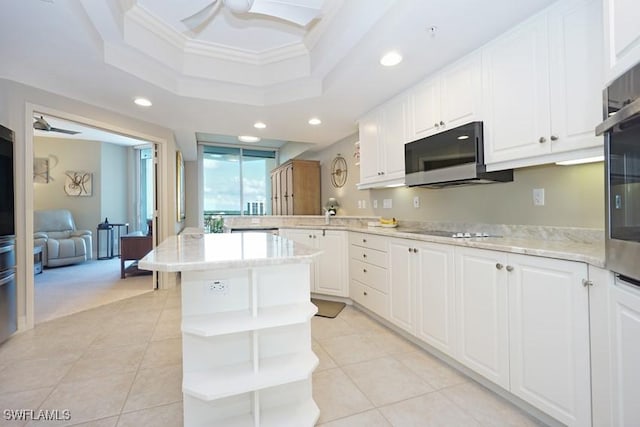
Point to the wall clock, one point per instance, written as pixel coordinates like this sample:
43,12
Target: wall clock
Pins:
338,171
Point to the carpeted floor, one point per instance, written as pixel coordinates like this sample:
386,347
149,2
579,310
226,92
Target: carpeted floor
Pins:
65,290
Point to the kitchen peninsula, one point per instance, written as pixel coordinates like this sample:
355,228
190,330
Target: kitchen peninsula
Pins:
246,335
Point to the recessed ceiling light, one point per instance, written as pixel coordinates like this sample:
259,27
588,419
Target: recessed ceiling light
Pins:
143,102
248,138
259,125
391,58
461,137
315,121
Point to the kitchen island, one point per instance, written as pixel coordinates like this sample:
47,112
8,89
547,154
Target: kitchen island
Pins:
246,335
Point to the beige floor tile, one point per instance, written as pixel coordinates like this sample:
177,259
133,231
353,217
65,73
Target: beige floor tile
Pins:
326,362
386,380
167,328
323,327
337,396
371,418
165,416
90,399
434,371
33,373
125,335
392,342
163,353
429,410
350,349
103,422
16,401
488,408
106,361
154,387
360,321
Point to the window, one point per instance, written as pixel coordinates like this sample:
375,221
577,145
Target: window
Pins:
236,180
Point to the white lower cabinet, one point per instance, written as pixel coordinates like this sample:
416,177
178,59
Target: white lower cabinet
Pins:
523,322
624,349
330,274
368,263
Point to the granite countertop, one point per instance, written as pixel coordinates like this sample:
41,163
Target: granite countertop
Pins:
190,252
567,243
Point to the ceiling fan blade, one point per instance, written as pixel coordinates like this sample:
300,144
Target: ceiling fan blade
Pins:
300,12
67,131
202,16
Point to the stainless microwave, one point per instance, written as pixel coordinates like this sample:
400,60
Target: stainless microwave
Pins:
450,158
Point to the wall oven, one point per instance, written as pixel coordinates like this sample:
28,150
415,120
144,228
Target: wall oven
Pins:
621,130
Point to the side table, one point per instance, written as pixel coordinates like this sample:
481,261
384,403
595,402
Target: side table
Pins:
37,260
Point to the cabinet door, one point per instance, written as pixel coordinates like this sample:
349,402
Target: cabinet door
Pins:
394,120
435,293
622,36
575,74
482,316
461,92
369,127
516,93
549,337
401,278
625,349
332,264
425,109
287,179
306,237
275,193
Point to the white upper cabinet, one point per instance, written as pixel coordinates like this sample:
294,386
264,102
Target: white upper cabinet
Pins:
449,99
542,85
621,35
383,133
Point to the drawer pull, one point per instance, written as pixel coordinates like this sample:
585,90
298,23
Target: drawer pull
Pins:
364,240
509,268
410,250
364,270
364,255
365,293
499,266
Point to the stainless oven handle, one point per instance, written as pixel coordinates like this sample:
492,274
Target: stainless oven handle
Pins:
620,116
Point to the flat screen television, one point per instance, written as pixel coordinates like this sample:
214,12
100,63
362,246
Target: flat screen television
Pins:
7,216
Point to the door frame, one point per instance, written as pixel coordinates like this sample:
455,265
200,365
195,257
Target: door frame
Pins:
162,216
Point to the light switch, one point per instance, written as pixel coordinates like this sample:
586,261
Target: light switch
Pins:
416,202
375,204
387,203
538,196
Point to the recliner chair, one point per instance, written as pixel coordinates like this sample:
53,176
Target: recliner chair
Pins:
61,243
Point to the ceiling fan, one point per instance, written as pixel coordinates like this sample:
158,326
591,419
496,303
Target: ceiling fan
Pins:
41,124
299,12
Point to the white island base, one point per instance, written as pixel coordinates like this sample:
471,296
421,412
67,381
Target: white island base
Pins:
246,337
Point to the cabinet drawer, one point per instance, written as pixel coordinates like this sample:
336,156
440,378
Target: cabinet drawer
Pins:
370,241
370,298
370,256
371,275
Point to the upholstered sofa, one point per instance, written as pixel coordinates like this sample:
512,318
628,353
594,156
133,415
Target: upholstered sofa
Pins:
62,243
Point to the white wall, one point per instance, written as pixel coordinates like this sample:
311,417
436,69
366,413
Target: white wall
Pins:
574,195
17,102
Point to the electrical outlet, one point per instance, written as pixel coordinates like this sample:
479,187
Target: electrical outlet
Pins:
217,287
416,202
375,204
255,220
359,204
387,203
538,196
364,204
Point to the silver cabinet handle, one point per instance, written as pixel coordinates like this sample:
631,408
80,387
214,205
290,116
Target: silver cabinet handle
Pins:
415,251
509,268
499,266
409,250
441,123
436,125
314,236
586,282
554,138
542,140
309,235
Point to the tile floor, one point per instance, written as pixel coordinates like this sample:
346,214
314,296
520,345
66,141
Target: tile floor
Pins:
120,365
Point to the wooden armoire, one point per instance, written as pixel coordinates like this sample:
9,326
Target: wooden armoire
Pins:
295,188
